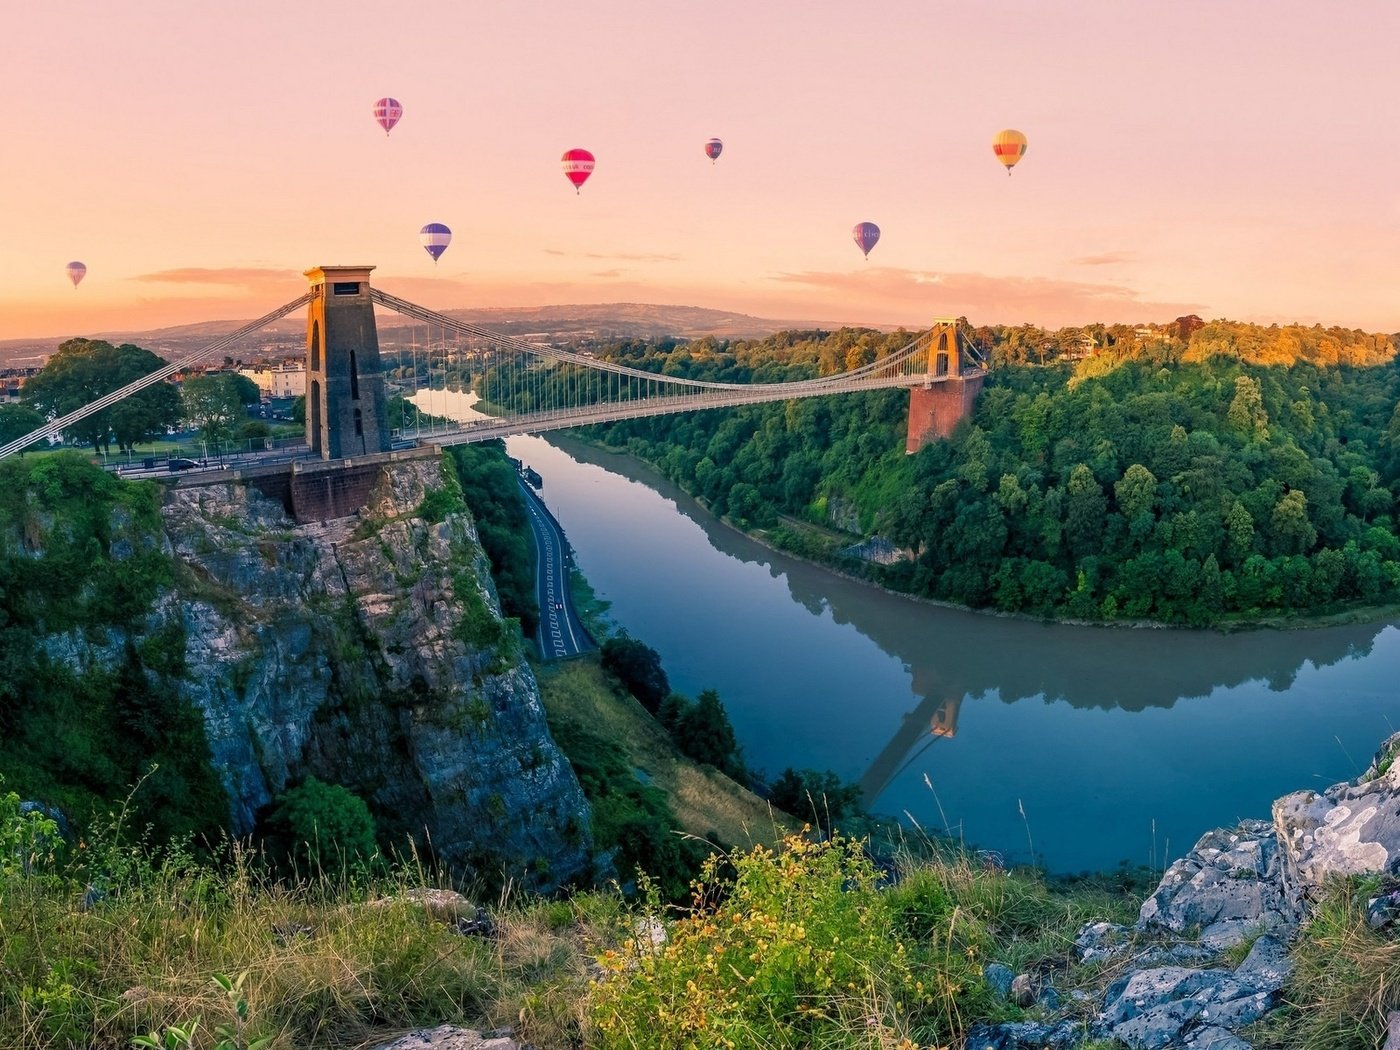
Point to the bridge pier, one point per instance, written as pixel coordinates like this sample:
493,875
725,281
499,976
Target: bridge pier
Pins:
936,410
346,412
937,407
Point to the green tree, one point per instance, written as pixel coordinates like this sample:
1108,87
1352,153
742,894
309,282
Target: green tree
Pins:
1246,414
1136,492
214,407
815,795
702,731
1239,526
638,667
320,827
1293,532
83,370
1084,511
16,421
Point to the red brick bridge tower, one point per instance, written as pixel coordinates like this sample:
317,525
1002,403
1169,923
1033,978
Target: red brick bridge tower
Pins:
955,374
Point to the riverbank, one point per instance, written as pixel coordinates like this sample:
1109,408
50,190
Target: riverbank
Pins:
863,572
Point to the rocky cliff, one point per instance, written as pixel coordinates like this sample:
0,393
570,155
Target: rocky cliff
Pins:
369,652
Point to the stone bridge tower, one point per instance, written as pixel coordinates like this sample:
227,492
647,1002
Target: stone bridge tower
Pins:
345,403
950,391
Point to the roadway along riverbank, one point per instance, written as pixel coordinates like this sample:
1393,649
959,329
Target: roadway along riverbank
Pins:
561,633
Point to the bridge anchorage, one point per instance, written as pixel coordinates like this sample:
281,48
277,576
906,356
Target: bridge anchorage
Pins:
524,387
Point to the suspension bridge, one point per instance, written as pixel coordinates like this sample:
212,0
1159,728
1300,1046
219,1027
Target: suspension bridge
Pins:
523,386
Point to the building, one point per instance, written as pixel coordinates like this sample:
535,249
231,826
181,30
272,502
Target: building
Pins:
284,380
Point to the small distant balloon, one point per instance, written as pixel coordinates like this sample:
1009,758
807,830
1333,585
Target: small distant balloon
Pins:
578,165
1009,146
866,235
76,272
435,237
387,112
713,149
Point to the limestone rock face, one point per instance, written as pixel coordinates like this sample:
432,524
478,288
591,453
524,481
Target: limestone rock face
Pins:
1227,887
1349,829
369,653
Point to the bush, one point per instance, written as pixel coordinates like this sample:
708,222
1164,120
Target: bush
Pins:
638,667
802,950
320,827
816,795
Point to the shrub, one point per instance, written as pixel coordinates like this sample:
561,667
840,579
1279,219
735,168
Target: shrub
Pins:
800,950
816,795
320,827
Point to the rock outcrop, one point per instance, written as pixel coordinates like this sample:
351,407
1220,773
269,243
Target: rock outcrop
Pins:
1349,829
368,652
1254,881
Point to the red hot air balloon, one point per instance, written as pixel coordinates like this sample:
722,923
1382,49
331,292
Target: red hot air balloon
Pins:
387,112
713,149
866,235
578,165
76,272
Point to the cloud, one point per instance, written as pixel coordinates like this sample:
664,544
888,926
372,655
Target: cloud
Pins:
646,257
988,299
1104,259
610,274
247,278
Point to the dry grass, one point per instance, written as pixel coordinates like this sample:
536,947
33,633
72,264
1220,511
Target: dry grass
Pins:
327,965
1346,978
703,800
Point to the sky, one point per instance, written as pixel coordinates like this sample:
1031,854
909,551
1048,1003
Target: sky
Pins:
1229,158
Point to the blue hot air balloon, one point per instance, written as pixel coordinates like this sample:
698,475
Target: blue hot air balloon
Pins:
435,237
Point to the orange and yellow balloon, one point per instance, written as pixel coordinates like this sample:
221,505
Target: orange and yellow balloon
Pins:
1009,146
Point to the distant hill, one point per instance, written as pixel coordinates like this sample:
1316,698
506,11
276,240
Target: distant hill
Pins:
563,321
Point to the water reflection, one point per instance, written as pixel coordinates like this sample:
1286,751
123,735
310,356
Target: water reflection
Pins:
1108,738
948,653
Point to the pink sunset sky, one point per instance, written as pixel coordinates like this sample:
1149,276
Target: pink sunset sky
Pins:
1232,159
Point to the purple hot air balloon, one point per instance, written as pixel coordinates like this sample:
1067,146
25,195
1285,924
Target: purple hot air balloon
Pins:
435,237
76,272
866,235
387,112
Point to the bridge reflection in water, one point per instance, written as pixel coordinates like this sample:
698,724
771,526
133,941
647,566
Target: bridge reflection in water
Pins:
1099,731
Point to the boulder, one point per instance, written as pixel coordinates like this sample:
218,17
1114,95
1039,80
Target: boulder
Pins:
1227,887
1169,1005
999,978
1349,829
1025,1035
449,1037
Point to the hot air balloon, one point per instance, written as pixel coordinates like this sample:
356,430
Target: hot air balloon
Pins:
76,272
435,237
387,112
713,149
866,235
1009,146
578,165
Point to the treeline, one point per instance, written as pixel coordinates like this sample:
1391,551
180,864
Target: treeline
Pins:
1100,347
1184,491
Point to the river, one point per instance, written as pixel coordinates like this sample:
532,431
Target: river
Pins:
1088,746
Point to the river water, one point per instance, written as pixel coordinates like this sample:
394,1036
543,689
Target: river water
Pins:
1086,746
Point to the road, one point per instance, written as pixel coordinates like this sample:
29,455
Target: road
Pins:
560,633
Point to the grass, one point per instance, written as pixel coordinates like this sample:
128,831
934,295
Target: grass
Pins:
1346,977
579,700
790,944
327,963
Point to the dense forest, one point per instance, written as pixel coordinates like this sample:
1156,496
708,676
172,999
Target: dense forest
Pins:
1236,473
